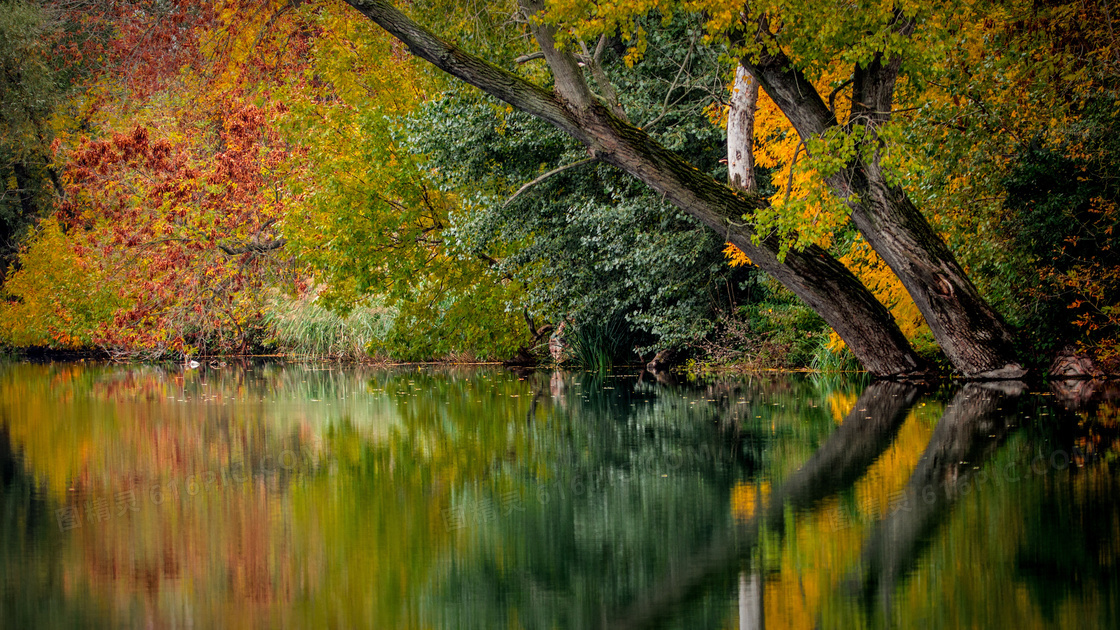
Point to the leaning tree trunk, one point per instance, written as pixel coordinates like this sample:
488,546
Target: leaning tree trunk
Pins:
973,336
835,281
866,432
968,434
815,276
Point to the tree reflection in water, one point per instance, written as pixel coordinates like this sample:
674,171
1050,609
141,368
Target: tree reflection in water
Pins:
480,498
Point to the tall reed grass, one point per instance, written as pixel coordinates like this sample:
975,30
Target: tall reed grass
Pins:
826,360
304,328
598,345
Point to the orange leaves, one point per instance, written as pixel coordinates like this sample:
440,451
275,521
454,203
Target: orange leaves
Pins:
153,42
735,256
888,289
802,204
176,178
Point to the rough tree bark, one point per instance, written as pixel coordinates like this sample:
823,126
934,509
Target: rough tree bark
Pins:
973,336
815,276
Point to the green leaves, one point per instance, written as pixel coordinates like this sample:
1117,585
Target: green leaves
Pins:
56,298
376,223
589,244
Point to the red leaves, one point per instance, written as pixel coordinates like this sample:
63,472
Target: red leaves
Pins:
181,205
154,41
159,209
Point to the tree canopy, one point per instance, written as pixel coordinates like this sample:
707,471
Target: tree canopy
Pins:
929,180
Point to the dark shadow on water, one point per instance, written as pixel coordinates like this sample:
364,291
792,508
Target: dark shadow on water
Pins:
1070,537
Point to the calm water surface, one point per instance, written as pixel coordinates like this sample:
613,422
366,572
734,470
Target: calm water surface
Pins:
321,497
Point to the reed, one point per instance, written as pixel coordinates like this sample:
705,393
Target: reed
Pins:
597,345
304,328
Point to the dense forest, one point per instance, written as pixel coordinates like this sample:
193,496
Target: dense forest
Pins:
888,185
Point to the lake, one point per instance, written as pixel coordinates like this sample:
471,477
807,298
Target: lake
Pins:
248,495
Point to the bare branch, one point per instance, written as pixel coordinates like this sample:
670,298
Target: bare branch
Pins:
530,57
672,86
832,95
253,247
555,171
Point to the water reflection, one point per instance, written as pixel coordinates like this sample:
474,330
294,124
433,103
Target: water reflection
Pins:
974,424
300,496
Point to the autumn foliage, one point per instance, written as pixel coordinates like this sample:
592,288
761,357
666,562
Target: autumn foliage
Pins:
189,230
175,185
201,163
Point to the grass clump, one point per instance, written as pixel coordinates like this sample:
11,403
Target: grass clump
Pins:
303,327
599,345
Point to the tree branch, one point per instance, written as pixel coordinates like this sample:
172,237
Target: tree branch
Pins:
566,73
503,84
530,57
785,84
833,93
813,274
740,131
873,83
555,171
253,247
609,93
672,86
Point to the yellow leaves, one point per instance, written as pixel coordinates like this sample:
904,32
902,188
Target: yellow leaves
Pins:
637,50
722,15
887,288
803,203
59,299
835,343
840,404
735,256
588,19
584,20
877,490
243,33
358,63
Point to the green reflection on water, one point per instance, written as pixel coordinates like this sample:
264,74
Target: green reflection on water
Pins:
295,496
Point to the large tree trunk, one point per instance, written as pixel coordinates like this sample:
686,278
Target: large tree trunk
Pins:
823,282
973,336
815,276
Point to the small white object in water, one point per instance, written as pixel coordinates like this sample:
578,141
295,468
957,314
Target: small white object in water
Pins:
191,365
